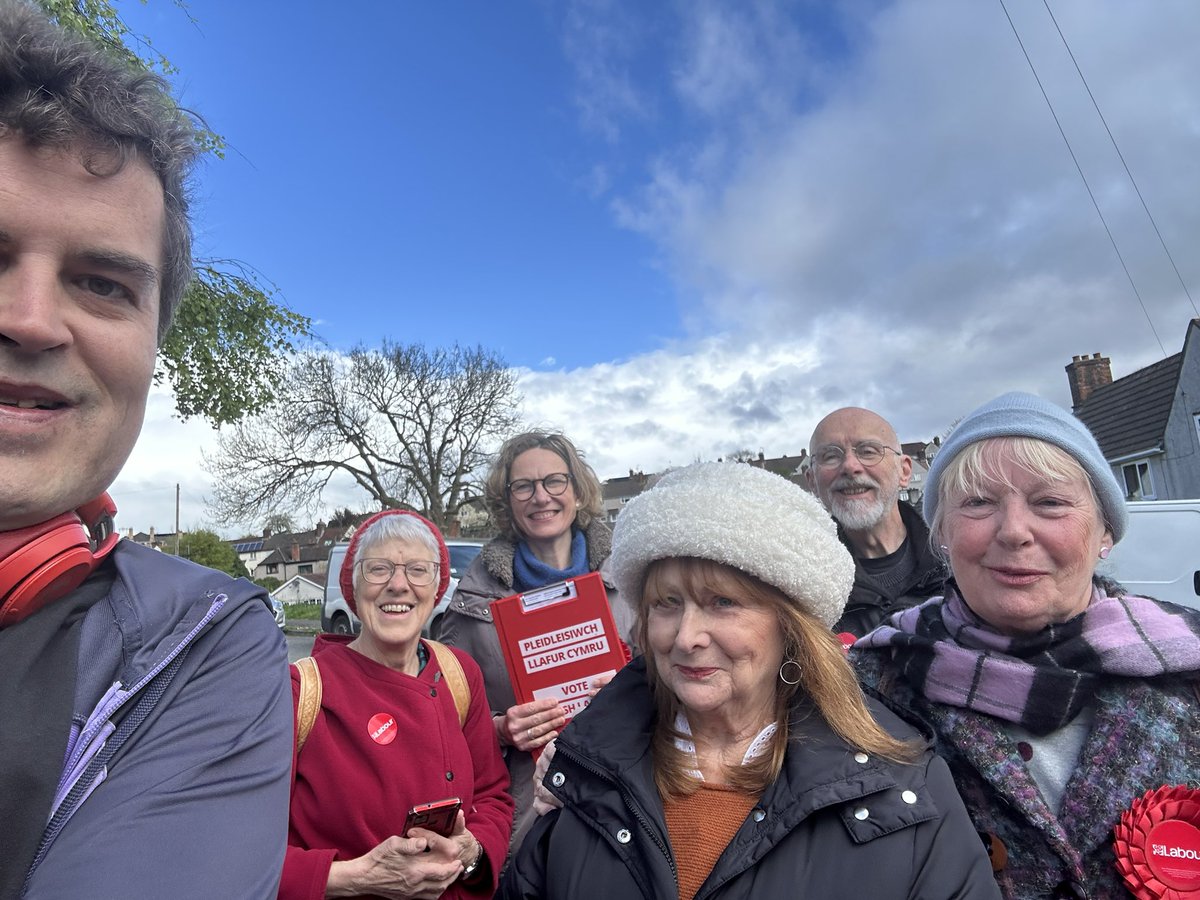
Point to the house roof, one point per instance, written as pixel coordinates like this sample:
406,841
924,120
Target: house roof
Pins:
309,553
1130,415
786,466
625,486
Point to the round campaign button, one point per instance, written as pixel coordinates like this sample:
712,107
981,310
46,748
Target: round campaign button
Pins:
1174,854
382,728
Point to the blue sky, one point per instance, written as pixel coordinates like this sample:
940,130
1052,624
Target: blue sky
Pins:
697,227
419,171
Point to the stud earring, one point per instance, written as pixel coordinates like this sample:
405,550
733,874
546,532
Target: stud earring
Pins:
1104,551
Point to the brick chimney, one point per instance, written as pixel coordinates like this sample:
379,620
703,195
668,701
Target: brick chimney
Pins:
1085,374
295,551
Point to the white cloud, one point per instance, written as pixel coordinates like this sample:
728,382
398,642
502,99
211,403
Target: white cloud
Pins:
895,223
915,220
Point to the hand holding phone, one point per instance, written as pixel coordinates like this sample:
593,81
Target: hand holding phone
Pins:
437,816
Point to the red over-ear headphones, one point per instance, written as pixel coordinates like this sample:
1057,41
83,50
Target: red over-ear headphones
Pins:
42,563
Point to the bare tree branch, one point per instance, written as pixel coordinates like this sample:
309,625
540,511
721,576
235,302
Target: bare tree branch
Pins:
410,425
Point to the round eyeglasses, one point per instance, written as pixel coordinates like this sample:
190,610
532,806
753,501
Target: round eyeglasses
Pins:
380,571
524,488
869,453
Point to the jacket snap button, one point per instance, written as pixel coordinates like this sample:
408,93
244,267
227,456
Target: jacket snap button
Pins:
449,776
559,779
860,757
623,836
759,814
908,797
861,813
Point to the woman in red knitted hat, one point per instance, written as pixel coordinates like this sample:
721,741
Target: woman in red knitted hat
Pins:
390,735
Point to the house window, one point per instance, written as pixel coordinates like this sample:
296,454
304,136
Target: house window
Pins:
1139,485
272,568
306,569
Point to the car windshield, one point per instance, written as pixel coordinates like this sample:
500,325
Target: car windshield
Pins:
461,556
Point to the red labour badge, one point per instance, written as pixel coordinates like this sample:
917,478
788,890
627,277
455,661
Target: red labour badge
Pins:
382,728
1157,844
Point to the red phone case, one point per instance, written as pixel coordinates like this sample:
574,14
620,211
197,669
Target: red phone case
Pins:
437,816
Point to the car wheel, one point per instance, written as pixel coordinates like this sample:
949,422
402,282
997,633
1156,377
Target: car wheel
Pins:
341,624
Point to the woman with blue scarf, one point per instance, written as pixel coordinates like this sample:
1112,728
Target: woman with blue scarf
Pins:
546,502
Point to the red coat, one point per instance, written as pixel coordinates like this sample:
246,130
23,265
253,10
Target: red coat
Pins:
351,790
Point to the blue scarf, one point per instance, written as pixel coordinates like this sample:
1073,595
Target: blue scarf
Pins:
529,572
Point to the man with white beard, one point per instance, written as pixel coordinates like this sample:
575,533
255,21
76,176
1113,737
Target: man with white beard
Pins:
858,469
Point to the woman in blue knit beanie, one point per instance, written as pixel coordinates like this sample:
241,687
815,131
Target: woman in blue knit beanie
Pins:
1059,701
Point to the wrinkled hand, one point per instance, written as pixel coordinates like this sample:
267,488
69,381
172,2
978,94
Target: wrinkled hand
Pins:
543,800
459,845
528,726
398,869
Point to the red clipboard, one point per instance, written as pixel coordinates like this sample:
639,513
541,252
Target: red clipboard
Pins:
556,639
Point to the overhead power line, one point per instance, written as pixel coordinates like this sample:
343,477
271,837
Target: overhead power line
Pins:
1121,156
1086,185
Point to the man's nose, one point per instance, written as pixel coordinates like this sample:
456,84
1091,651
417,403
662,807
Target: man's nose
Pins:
32,306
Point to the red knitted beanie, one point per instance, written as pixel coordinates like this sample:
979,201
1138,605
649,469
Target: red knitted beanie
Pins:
347,575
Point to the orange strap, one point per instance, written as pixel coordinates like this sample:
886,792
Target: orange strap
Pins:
309,703
456,679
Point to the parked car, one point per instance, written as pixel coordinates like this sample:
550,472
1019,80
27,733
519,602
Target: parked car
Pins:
335,614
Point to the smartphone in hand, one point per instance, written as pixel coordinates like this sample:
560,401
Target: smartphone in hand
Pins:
438,816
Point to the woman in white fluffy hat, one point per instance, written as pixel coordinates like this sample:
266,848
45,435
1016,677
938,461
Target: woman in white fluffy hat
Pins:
738,757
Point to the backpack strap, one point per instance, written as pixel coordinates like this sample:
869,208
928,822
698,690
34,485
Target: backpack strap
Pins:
456,678
309,704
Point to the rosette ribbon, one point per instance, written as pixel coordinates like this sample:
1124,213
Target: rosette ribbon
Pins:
1157,844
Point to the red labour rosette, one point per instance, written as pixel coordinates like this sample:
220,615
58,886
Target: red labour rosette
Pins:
1157,843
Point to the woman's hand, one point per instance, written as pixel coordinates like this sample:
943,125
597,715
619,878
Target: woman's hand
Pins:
399,868
460,845
528,726
599,681
543,800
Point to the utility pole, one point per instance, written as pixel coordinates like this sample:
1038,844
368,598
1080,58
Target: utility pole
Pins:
177,518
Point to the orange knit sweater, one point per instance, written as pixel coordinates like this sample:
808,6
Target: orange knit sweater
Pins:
700,827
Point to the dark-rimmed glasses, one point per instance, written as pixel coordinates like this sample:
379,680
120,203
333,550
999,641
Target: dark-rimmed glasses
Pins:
869,453
380,571
524,488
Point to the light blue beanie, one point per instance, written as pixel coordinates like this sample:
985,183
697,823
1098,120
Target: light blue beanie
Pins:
1025,415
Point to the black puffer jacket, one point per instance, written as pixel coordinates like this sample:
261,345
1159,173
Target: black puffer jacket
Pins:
835,823
870,603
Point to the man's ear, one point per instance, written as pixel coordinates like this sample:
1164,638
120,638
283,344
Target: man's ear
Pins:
905,469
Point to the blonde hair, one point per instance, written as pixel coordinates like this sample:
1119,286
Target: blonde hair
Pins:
978,466
587,486
826,679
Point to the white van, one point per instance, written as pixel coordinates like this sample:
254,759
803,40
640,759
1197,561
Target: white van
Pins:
335,614
1159,556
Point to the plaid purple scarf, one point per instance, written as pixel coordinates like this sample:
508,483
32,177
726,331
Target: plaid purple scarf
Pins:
1040,681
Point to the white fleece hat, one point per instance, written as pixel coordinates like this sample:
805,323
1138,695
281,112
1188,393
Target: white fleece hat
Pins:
744,517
